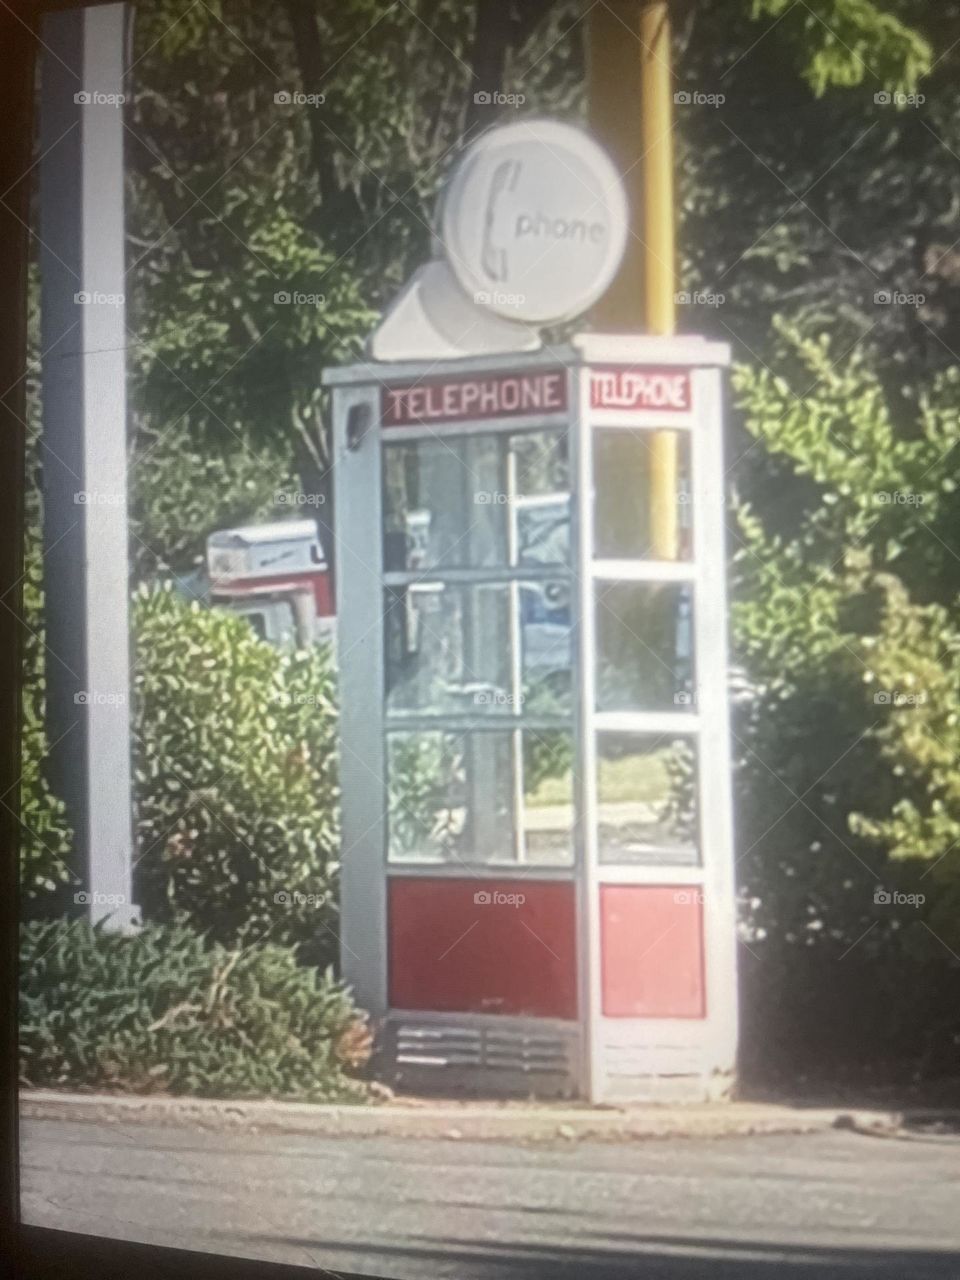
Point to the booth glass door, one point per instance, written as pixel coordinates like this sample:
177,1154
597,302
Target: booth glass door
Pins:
478,648
479,661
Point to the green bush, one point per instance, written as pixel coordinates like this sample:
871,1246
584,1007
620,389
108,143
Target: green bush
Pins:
45,836
235,779
844,618
166,1011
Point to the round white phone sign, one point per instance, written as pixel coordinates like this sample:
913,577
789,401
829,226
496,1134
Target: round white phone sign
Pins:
534,221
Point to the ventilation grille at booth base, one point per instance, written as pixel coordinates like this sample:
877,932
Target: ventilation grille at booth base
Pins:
450,1047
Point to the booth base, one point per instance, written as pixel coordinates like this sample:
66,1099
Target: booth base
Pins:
483,1056
476,1056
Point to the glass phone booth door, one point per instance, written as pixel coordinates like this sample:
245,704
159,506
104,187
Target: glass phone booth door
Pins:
456,644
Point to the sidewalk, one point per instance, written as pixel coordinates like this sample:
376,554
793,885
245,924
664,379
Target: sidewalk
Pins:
472,1121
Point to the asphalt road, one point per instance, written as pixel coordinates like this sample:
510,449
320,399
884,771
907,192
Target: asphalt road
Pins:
821,1205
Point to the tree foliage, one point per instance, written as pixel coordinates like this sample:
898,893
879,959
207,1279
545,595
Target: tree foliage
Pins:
845,42
845,618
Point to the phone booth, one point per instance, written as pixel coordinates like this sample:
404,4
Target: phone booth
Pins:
537,865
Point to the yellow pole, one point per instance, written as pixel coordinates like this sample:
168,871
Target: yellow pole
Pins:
613,74
631,112
656,132
660,278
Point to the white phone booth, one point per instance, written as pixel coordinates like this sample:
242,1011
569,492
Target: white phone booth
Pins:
537,865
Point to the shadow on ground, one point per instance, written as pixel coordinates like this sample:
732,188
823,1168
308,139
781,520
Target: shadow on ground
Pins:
637,1257
53,1254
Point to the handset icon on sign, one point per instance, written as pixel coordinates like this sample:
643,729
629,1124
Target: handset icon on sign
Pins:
494,256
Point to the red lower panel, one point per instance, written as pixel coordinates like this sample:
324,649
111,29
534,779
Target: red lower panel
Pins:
652,948
470,946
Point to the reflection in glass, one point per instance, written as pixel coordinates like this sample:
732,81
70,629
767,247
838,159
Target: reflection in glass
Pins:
480,797
623,479
450,650
647,809
644,634
476,501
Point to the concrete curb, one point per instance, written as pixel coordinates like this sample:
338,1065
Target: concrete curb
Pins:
454,1120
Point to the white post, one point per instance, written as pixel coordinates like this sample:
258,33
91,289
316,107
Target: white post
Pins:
84,341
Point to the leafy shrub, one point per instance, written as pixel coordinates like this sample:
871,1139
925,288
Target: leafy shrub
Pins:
164,1010
849,800
235,778
45,836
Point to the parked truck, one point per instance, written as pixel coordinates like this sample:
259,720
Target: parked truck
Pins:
274,575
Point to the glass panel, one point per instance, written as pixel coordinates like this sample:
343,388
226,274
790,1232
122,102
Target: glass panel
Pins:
623,529
459,798
647,809
476,501
644,633
450,649
546,647
548,816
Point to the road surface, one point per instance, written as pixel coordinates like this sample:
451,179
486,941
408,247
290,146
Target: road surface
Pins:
833,1204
